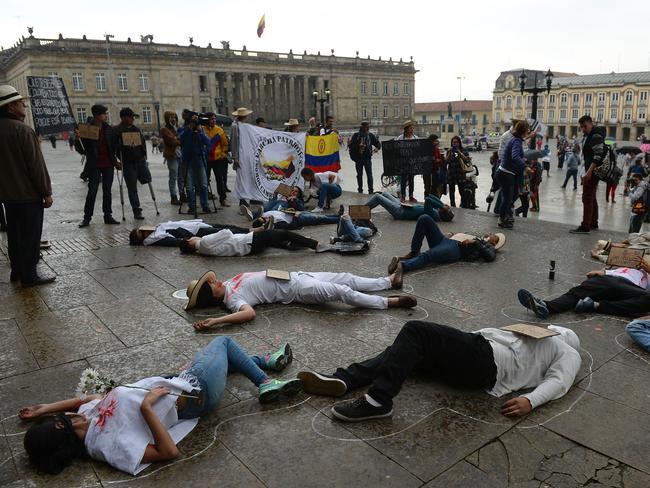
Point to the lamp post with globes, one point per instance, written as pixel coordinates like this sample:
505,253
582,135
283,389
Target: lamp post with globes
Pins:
534,91
322,100
156,106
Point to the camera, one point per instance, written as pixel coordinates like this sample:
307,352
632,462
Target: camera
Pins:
199,118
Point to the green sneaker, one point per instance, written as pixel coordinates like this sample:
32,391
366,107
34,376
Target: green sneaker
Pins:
273,389
279,360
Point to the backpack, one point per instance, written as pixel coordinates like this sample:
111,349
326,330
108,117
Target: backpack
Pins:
606,169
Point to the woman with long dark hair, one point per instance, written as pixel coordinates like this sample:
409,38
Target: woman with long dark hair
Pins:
510,170
457,161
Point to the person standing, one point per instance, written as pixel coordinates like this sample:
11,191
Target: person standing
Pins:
435,183
25,188
241,114
133,157
593,152
407,178
572,160
639,200
457,160
510,170
100,160
612,184
329,126
360,149
172,156
193,144
217,156
52,140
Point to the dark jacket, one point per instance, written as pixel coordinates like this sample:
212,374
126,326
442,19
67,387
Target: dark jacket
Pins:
88,147
170,137
478,249
361,146
513,158
593,149
129,154
193,144
24,174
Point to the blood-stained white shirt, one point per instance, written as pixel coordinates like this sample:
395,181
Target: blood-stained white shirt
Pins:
637,277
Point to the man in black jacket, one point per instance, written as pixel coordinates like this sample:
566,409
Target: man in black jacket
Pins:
593,151
133,153
361,151
100,160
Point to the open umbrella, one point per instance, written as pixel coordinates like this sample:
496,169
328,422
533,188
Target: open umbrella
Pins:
628,150
533,154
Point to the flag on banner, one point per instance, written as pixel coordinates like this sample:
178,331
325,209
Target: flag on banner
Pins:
322,153
261,25
267,158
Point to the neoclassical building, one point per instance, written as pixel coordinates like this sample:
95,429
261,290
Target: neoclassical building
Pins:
618,101
152,78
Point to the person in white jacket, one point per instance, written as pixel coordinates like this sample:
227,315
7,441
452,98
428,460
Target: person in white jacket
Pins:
495,360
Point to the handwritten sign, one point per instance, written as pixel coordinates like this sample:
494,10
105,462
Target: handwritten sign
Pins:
407,157
528,330
277,274
51,109
284,190
359,212
625,257
88,131
131,139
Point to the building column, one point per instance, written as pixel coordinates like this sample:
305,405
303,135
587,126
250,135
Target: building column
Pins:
292,106
276,99
229,94
246,90
306,97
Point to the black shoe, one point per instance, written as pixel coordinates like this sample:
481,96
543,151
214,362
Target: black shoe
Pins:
84,223
595,227
360,190
138,216
110,220
206,210
183,198
175,201
228,190
579,230
371,191
38,281
322,384
359,410
341,210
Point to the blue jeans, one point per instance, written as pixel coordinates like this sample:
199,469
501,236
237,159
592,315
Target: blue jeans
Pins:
394,207
507,182
571,173
639,331
196,177
275,204
348,232
389,202
441,250
175,177
211,366
327,192
636,221
307,218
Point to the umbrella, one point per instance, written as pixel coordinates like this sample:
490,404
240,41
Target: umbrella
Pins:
628,150
224,120
533,154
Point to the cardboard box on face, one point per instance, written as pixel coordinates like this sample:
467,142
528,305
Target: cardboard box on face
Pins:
529,330
359,212
277,274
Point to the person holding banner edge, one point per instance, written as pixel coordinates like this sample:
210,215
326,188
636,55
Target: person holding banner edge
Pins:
361,151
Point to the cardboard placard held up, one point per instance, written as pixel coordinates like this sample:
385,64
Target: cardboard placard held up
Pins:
624,256
88,131
359,212
131,139
284,190
277,274
529,330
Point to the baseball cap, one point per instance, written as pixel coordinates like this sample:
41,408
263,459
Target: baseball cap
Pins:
128,112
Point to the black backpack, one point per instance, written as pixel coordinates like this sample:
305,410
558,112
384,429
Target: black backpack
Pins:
606,169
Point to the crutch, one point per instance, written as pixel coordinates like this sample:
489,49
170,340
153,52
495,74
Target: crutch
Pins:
120,180
153,197
205,166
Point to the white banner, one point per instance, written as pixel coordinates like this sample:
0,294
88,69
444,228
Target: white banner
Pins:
267,158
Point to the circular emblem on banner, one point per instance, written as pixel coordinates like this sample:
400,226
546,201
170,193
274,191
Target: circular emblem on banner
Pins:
278,159
321,146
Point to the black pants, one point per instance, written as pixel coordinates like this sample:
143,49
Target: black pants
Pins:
446,354
452,192
360,166
135,171
220,169
282,239
404,181
181,234
94,175
616,296
24,227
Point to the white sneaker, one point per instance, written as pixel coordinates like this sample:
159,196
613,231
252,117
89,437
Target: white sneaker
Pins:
317,210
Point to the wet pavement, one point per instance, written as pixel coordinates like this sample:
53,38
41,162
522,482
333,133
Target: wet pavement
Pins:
112,308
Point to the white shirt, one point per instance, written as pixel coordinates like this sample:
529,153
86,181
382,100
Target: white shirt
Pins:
225,243
637,277
117,432
402,138
549,365
279,216
324,177
161,229
255,288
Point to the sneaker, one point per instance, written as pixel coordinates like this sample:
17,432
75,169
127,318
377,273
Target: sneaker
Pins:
359,410
279,360
257,213
245,210
536,305
242,207
579,230
585,305
269,223
317,210
274,389
322,384
413,200
341,210
401,200
322,247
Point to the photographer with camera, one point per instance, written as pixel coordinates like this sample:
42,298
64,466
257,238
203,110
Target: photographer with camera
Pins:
193,144
361,152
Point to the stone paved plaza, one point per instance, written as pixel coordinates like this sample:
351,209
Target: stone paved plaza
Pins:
111,308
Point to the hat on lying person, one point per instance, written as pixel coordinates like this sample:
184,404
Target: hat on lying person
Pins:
567,335
242,112
9,94
501,240
194,289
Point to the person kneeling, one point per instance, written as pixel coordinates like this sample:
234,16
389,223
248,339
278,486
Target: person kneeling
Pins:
495,360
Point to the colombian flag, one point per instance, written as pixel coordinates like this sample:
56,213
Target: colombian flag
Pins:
261,26
322,153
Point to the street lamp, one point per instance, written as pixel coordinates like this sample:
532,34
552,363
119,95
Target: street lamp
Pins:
535,91
322,100
156,106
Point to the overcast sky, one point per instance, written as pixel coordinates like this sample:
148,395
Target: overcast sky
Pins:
473,39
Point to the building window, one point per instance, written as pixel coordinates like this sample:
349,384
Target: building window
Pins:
629,96
122,83
601,98
613,114
485,119
146,115
588,99
364,112
627,115
498,102
424,119
641,115
363,88
600,115
529,101
563,98
406,88
203,83
386,111
518,101
82,115
574,114
407,111
614,98
588,111
551,99
643,97
497,117
375,111
540,101
563,115
143,82
508,102
77,81
385,88
551,116
396,88
374,88
100,81
529,114
396,111
575,99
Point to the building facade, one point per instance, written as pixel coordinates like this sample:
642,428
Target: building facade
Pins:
617,101
462,117
152,78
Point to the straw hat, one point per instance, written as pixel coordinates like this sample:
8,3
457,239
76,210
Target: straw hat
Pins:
291,122
501,240
407,123
194,287
242,112
9,94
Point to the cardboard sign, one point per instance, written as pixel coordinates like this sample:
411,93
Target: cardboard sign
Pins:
460,237
284,190
359,212
624,256
51,109
277,274
131,139
407,157
88,131
528,330
147,228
